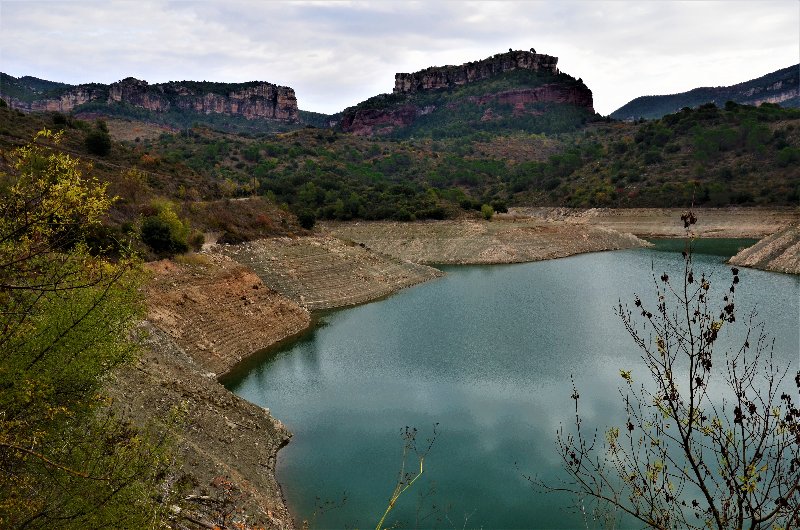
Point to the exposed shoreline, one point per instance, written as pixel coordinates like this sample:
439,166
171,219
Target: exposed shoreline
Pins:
210,315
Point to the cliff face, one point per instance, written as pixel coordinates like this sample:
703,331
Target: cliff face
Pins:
254,100
449,76
507,89
250,100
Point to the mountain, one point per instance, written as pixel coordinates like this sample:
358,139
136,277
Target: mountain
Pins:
255,105
778,87
517,90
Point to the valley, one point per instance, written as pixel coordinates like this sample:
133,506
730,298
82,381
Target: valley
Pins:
255,217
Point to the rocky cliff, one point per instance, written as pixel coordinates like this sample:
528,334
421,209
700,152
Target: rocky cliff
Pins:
450,76
512,90
254,100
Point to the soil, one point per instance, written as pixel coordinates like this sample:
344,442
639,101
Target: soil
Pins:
779,252
666,222
507,239
323,272
218,311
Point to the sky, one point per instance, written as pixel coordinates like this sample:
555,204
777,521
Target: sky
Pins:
336,54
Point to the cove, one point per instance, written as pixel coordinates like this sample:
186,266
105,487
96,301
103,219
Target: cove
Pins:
487,353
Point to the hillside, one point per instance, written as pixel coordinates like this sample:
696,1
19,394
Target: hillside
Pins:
715,157
777,87
513,91
148,187
471,138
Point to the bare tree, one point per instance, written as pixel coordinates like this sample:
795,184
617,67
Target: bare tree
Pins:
711,439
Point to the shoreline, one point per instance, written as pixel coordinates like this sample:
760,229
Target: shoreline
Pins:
213,314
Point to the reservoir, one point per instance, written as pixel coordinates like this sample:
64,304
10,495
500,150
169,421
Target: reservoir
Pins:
487,354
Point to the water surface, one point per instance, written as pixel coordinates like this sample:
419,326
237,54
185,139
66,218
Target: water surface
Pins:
487,353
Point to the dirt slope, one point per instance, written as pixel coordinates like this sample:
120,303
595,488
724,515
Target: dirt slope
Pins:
226,447
779,252
218,311
505,240
666,222
322,272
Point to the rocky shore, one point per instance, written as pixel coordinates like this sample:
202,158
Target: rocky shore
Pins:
779,252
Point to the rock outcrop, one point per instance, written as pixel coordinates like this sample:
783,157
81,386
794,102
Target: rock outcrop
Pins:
450,76
537,81
253,100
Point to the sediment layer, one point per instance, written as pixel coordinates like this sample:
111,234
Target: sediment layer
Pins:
512,240
325,272
779,252
218,311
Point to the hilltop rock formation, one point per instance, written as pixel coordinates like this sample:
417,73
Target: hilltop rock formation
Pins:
450,76
544,83
253,100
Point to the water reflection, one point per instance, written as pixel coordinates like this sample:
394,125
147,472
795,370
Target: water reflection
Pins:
487,352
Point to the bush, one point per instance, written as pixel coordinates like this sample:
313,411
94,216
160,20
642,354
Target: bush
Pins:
487,212
98,142
307,219
165,233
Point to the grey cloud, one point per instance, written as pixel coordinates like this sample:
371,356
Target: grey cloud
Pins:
336,53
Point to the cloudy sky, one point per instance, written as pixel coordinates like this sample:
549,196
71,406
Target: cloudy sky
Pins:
335,54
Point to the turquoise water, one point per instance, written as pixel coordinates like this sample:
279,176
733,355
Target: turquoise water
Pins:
487,353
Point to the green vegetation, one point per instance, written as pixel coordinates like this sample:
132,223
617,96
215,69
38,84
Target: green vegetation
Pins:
714,157
464,110
654,107
66,461
98,141
28,88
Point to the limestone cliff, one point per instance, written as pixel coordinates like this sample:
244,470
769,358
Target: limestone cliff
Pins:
255,100
450,76
505,91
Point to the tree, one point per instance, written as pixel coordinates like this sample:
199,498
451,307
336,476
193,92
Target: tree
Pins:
66,461
711,440
98,141
487,212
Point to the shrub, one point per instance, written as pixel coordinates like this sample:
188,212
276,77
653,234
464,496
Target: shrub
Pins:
165,233
98,142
